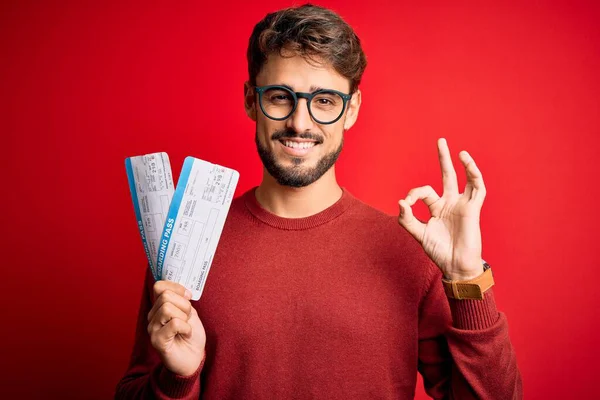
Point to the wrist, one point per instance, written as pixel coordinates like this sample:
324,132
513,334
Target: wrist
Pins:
463,276
471,288
466,273
189,370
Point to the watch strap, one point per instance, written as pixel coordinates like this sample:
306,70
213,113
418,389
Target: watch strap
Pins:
471,289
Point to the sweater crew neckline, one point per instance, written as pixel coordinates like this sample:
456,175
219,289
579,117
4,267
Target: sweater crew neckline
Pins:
328,214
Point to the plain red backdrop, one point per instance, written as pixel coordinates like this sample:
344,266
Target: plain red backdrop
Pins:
86,84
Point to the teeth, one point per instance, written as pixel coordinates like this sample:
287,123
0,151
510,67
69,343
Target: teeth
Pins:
296,145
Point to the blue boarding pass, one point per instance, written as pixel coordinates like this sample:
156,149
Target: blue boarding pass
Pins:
194,223
151,186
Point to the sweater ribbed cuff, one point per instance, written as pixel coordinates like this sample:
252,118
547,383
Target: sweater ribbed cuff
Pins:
177,386
474,314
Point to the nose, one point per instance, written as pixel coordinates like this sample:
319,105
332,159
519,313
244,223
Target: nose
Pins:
300,120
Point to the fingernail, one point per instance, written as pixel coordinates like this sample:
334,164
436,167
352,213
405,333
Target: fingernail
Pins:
188,294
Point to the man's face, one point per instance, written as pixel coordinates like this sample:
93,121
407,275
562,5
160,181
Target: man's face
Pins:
298,151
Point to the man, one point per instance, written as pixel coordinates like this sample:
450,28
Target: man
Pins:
312,293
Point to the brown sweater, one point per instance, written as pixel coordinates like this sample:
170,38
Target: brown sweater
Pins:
343,304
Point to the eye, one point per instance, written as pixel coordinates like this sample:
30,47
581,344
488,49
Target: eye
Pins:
277,96
327,100
280,97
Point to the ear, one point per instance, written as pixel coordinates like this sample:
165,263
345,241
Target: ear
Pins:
352,112
250,101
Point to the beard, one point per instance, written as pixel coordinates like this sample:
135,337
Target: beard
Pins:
296,175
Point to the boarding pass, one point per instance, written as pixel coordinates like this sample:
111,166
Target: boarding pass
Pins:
194,223
151,186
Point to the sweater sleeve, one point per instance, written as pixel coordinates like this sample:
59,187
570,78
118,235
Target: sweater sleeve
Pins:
146,377
464,347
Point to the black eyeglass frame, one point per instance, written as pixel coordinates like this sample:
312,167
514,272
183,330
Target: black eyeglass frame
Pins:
301,95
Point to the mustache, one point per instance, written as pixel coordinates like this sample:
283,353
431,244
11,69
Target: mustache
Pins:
289,134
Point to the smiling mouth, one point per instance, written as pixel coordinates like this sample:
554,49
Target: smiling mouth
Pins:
294,144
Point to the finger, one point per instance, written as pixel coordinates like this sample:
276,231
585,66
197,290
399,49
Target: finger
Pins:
165,314
475,185
168,296
175,327
448,172
165,334
425,193
161,286
409,222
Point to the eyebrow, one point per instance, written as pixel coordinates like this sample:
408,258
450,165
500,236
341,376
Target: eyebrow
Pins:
313,88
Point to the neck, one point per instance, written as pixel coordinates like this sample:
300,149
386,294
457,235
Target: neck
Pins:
291,202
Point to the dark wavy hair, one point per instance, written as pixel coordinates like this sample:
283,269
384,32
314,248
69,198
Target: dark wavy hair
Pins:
313,32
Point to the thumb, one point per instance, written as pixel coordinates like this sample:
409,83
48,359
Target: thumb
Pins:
409,222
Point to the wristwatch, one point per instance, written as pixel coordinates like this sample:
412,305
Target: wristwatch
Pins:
471,289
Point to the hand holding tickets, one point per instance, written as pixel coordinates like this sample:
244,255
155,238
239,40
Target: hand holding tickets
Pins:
180,231
180,243
175,329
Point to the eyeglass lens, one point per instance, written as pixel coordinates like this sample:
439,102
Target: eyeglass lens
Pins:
324,107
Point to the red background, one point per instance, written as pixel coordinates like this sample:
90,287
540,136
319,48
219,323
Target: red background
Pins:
86,84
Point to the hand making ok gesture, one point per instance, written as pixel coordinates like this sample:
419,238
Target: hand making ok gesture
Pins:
452,236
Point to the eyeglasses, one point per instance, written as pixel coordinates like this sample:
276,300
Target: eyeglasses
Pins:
325,106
